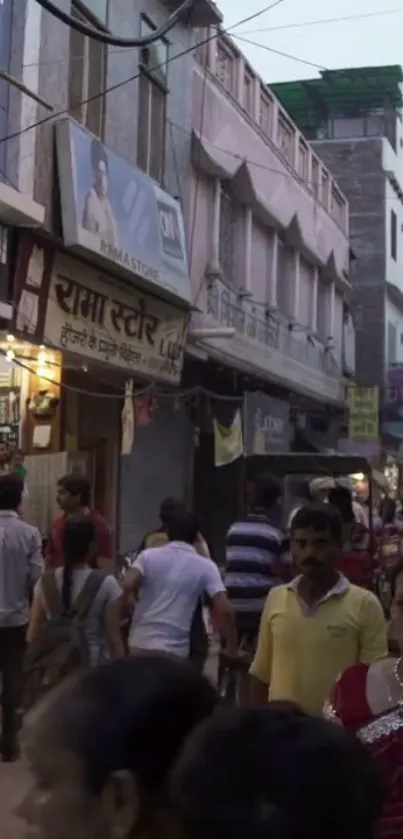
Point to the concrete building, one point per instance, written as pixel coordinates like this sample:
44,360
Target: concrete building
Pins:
93,254
269,253
353,119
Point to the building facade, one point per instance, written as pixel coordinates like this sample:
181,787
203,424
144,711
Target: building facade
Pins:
353,119
99,282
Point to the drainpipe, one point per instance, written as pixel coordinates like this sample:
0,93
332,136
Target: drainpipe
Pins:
296,284
272,296
314,319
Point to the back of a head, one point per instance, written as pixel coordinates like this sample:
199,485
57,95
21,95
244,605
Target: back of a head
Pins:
131,715
275,773
78,538
11,492
267,493
183,527
169,507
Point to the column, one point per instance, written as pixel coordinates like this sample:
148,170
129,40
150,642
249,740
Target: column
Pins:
248,227
272,295
256,100
295,307
274,121
211,51
314,318
332,298
240,79
215,233
295,153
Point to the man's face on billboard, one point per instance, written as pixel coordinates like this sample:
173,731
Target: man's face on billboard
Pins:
101,179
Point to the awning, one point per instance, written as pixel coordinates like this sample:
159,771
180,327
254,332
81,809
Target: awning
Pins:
18,209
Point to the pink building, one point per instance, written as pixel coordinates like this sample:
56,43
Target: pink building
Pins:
269,244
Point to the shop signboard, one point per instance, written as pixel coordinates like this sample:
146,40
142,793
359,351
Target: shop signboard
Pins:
64,304
266,424
119,217
363,413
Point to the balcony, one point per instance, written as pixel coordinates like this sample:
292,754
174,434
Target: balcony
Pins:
204,12
263,345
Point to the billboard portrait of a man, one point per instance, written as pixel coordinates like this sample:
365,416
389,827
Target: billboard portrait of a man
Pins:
98,217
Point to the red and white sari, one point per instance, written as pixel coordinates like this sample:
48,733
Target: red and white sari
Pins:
361,700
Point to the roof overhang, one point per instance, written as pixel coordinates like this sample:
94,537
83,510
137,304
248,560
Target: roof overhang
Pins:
18,209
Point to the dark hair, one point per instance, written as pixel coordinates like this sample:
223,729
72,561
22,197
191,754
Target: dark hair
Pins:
183,527
131,715
78,537
341,498
11,491
98,154
278,773
267,493
318,517
78,486
168,508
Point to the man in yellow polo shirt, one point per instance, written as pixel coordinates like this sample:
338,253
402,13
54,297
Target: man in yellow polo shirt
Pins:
319,624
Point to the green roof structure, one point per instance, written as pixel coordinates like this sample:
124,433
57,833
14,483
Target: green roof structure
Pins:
340,93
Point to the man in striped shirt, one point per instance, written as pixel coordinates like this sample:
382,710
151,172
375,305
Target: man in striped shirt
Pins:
257,558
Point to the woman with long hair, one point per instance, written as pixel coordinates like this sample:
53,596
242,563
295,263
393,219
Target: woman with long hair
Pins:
100,748
101,624
369,700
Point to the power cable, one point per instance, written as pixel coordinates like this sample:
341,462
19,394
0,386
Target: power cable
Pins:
280,52
112,88
319,22
113,40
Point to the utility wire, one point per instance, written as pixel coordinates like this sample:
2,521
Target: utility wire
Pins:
280,52
118,85
322,21
113,40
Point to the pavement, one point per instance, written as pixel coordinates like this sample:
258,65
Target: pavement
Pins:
14,781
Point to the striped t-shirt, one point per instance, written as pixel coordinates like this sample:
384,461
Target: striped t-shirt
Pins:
257,559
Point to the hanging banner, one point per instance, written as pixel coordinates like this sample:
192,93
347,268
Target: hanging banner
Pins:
228,442
266,423
363,408
128,420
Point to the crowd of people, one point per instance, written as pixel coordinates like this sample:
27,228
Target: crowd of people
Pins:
120,726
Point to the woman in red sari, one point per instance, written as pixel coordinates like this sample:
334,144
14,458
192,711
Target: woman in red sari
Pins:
369,700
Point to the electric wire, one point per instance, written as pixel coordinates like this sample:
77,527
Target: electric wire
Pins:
322,21
114,40
65,112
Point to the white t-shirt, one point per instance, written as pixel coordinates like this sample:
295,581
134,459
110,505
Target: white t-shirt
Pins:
173,579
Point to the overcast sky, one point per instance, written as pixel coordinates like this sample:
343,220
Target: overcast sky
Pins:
357,42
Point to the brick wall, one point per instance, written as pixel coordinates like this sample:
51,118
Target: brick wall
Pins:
357,166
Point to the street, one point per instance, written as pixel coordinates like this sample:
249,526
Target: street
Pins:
13,783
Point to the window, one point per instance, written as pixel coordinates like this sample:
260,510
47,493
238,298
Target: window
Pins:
86,78
228,230
285,136
225,67
152,106
248,93
393,235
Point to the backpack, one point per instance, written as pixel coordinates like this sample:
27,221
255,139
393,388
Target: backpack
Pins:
60,648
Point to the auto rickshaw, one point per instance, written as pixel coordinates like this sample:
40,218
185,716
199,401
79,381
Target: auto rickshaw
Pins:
361,567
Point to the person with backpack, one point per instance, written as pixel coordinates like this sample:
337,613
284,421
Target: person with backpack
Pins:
82,608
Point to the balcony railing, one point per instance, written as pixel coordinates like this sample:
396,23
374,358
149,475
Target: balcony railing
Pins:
276,126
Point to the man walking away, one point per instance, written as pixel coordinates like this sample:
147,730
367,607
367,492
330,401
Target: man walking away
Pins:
171,580
257,559
21,565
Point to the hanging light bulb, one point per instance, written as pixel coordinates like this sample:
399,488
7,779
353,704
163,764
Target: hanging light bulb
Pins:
10,355
41,358
10,339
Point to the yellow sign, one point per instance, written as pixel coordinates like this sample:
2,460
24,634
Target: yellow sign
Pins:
363,406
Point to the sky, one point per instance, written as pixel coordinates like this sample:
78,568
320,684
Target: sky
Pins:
357,42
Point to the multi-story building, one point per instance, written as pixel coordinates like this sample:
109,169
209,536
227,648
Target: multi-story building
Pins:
269,249
353,119
93,245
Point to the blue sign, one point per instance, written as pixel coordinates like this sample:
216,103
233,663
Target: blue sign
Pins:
119,215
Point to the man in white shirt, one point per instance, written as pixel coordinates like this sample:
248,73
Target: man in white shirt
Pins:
168,582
